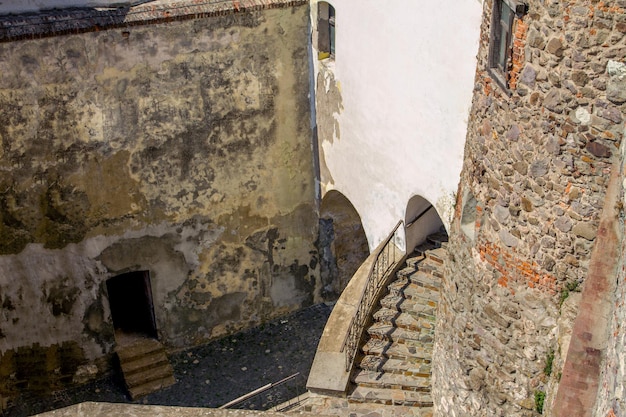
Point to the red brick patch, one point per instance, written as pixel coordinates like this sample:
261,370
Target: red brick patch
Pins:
514,269
517,54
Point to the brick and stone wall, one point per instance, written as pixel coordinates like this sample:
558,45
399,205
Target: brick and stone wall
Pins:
537,163
182,148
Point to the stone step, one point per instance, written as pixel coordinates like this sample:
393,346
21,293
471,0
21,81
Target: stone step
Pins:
410,366
152,386
403,320
145,367
426,280
423,248
385,331
138,349
418,308
148,375
401,351
414,259
390,397
437,255
406,272
409,289
151,360
374,379
440,239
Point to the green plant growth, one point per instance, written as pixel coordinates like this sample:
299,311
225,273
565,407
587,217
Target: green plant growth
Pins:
540,397
549,361
572,286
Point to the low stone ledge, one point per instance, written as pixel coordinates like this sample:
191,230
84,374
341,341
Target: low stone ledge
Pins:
93,409
328,372
328,375
69,21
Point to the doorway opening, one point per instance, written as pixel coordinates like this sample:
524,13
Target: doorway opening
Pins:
342,243
421,220
132,309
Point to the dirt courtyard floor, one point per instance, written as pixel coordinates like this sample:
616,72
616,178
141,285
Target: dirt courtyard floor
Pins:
214,374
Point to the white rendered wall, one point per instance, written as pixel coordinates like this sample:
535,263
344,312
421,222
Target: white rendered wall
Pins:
405,73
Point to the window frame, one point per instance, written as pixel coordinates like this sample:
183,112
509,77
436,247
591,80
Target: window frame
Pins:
325,30
501,39
331,29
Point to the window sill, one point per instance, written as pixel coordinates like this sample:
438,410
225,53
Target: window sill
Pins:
328,62
500,80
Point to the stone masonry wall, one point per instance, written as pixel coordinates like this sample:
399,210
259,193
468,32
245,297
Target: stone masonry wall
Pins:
536,165
182,148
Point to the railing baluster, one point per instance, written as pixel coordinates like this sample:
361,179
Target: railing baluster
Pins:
376,278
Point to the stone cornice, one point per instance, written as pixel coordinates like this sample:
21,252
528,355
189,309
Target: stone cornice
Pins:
68,21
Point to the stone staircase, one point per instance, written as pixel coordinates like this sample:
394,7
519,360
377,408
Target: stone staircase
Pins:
394,367
145,366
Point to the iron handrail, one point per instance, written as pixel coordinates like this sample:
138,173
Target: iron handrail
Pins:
258,391
419,216
375,281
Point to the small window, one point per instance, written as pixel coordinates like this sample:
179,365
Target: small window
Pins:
468,215
325,30
500,50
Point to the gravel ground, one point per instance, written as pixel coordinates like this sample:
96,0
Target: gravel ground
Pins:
214,374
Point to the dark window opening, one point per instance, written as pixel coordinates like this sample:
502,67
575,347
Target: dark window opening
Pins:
130,298
325,30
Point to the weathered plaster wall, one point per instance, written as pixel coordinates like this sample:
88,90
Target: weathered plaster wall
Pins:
30,6
536,167
181,148
392,105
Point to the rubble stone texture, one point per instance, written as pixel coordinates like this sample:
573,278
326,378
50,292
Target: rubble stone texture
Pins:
537,163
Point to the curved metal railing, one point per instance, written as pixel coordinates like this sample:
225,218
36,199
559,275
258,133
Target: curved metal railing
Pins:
386,260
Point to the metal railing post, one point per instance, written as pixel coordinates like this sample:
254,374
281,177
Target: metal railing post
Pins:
376,278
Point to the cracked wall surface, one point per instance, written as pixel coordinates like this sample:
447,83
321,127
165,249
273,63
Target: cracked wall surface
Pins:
181,148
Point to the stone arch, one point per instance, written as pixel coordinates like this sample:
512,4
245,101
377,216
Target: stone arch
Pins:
420,220
342,243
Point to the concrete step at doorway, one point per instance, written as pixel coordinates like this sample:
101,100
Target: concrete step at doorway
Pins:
145,367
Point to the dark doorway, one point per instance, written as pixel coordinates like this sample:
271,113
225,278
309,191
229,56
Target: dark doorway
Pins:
342,243
421,220
130,298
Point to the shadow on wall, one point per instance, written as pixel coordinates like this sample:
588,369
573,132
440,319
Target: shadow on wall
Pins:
342,244
421,219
